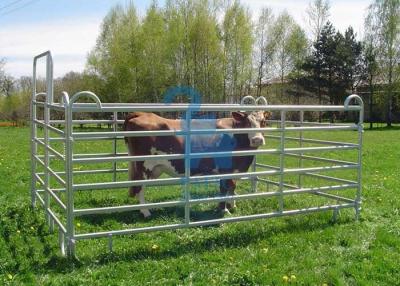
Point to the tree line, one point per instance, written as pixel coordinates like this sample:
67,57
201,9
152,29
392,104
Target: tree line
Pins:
221,50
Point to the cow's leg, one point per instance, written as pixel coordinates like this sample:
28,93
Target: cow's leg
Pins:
227,187
136,172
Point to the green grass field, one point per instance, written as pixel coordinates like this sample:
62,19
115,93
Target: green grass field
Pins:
308,249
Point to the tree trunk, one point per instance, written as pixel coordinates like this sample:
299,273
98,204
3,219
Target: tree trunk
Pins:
371,93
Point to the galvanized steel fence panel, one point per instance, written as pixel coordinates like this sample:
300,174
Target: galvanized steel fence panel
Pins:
47,194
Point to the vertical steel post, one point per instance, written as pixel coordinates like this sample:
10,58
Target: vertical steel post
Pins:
360,130
49,100
33,137
359,171
300,182
282,160
254,179
69,180
188,119
115,128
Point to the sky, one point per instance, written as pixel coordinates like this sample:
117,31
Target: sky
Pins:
69,28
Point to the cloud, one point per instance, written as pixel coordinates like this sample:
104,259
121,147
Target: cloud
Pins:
69,40
343,13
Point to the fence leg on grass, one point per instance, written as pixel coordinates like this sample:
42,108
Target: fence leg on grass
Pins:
61,242
110,243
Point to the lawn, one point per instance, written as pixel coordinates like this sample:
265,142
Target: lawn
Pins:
308,249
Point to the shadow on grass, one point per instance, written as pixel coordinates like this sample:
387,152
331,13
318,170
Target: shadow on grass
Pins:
43,256
381,128
234,237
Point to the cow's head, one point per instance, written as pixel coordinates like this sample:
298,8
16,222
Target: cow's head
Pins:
255,120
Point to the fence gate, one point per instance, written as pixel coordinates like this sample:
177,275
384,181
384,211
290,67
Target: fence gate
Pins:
293,166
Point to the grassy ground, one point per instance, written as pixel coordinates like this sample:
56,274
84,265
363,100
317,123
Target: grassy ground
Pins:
307,249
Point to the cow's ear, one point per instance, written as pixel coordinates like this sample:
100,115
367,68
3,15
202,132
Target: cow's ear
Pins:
237,115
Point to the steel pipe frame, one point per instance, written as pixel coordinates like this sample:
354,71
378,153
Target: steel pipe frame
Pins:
70,106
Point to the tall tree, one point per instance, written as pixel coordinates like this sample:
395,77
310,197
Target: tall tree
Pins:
318,14
384,19
264,48
237,42
283,30
298,51
115,57
152,62
370,70
6,81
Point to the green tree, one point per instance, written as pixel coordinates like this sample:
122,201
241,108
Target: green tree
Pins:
318,14
383,20
264,48
237,41
152,63
371,72
298,45
115,58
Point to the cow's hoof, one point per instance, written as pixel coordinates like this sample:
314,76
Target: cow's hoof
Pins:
226,211
231,207
145,213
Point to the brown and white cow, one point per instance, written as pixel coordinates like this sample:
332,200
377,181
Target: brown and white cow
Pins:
152,169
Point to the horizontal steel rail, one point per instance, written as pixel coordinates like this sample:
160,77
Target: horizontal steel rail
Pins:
52,139
206,178
126,184
309,140
213,221
88,172
208,154
111,107
321,159
293,122
104,210
330,178
323,190
88,121
95,135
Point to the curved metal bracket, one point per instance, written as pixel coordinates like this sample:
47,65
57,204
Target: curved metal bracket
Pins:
90,94
360,102
39,94
262,100
356,97
64,99
248,97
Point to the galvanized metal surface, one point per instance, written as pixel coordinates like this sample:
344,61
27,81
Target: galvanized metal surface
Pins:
49,195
